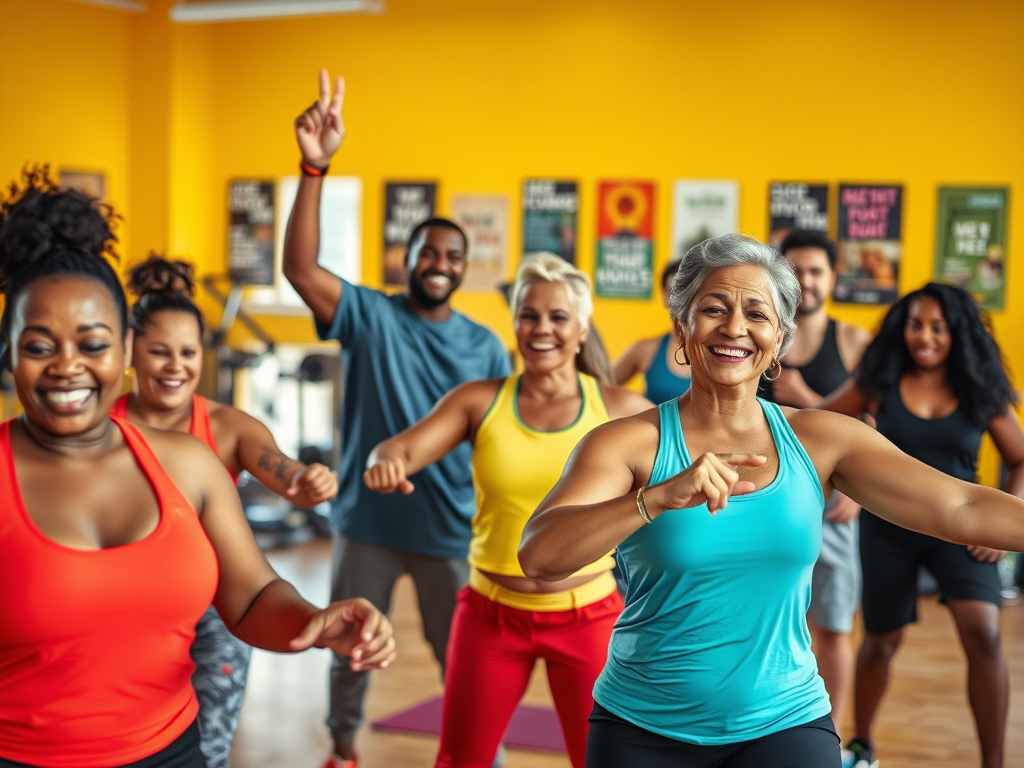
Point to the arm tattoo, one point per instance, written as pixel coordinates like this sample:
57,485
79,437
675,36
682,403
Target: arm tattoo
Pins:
275,462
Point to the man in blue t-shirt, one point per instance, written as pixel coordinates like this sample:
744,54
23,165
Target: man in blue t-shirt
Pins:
402,353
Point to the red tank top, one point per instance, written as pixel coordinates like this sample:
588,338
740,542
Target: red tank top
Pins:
199,428
94,644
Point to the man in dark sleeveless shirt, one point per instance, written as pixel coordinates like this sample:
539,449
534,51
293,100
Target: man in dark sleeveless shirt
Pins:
824,351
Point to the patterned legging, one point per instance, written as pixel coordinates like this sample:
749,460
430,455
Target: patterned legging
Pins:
222,665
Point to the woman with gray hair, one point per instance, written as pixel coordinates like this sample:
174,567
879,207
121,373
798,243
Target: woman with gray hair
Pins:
523,429
710,663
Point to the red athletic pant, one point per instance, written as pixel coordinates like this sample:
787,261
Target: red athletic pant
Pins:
491,653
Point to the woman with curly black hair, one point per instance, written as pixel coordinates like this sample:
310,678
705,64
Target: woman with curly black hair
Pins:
114,539
934,380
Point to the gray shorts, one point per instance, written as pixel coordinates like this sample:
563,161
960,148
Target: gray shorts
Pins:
836,580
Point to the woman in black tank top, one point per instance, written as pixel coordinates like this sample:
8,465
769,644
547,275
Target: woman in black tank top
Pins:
934,381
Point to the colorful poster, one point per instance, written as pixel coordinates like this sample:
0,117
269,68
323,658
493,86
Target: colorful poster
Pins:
796,205
868,241
251,231
550,217
485,220
406,204
970,241
702,209
625,234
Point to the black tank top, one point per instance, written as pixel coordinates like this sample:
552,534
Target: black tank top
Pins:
949,444
825,373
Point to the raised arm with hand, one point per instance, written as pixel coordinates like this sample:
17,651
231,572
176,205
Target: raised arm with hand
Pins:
454,419
319,131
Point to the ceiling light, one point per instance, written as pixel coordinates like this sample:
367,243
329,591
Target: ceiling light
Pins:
121,5
200,12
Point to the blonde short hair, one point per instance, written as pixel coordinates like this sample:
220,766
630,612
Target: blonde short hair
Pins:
549,268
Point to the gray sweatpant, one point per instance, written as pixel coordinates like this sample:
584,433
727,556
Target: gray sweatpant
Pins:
366,570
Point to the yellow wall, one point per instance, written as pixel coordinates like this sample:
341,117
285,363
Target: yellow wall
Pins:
481,95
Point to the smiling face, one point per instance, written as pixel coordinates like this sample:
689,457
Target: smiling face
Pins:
168,361
437,264
548,328
67,354
733,330
926,334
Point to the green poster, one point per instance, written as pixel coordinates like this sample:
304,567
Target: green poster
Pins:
970,241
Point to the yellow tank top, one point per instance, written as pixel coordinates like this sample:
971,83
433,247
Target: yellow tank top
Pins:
514,467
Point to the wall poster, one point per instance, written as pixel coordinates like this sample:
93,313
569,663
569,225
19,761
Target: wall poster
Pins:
251,231
796,205
485,220
550,210
625,234
700,210
869,245
406,204
970,241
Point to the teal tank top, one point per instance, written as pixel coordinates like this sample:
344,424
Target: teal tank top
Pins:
713,647
661,383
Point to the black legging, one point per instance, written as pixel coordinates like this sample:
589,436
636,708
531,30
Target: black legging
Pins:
614,742
183,752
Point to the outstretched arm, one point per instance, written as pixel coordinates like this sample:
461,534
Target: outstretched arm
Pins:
256,604
1009,441
455,418
319,131
636,359
862,464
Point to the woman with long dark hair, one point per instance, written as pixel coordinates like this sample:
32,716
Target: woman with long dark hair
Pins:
167,356
114,539
934,381
522,429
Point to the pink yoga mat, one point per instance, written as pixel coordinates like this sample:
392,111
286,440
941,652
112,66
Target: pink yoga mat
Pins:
530,728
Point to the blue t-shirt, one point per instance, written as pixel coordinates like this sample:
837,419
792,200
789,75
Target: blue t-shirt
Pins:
397,366
712,646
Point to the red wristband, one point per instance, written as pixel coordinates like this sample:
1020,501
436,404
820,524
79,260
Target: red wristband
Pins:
308,169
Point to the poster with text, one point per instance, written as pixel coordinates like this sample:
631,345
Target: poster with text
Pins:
970,241
550,211
796,205
868,243
625,234
251,231
485,220
702,209
406,204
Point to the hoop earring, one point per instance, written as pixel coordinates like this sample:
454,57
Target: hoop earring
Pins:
775,364
675,356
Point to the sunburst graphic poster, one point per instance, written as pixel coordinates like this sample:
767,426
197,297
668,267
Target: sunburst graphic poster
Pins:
625,234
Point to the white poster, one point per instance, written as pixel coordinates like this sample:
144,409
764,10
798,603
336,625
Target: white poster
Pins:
703,209
341,242
485,219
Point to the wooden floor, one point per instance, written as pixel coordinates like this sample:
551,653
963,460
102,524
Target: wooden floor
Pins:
924,722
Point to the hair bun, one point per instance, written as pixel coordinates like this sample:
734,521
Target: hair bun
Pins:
39,217
160,275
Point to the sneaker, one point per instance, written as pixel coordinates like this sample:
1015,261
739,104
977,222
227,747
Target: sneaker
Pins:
861,755
333,761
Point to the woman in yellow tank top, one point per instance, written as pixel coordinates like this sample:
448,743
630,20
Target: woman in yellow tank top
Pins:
523,429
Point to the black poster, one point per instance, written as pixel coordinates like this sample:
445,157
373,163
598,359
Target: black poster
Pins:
406,204
251,231
550,211
796,205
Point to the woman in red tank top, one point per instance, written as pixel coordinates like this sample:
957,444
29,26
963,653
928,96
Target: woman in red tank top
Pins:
114,539
167,357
